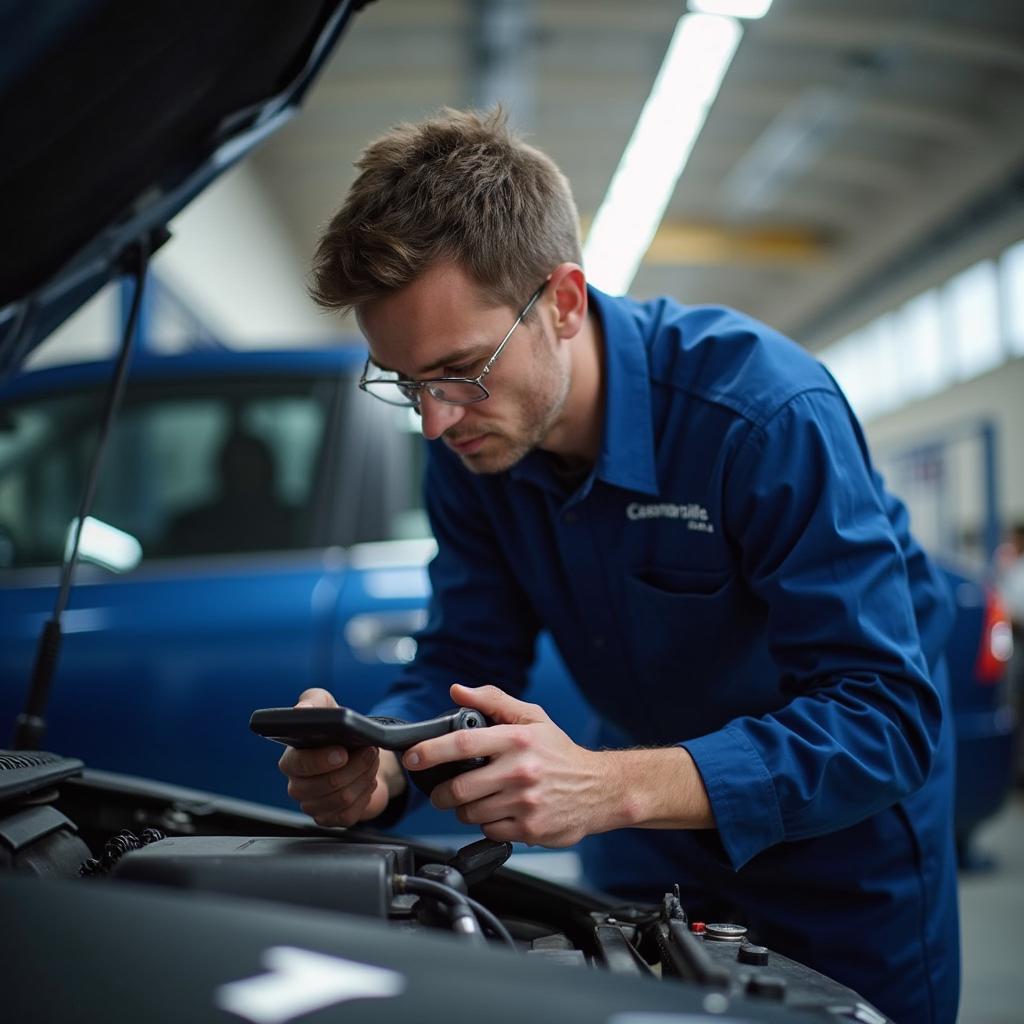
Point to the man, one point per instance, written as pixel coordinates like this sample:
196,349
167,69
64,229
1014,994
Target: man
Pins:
685,500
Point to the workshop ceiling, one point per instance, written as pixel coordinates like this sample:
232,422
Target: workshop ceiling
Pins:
848,135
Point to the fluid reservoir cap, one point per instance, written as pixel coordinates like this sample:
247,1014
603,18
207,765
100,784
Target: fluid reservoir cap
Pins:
726,932
698,927
750,954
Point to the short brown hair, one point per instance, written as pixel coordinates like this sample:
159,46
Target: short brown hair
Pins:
458,187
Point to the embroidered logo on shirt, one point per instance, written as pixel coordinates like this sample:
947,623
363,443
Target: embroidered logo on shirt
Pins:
695,516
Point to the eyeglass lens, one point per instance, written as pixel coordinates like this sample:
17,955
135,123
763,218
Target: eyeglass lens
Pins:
452,392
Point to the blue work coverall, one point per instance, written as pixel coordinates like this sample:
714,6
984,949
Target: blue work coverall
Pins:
733,577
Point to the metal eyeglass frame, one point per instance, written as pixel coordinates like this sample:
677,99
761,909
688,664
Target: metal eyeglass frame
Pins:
413,402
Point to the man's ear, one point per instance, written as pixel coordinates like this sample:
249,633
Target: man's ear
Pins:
567,286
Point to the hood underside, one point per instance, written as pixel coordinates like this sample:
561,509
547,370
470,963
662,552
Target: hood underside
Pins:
114,115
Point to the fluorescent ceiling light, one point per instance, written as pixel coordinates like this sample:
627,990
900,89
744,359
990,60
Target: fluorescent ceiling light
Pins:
104,545
698,56
732,8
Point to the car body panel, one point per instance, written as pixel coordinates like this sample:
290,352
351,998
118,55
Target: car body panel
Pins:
141,682
986,719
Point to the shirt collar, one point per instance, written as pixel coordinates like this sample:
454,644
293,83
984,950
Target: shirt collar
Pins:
626,458
627,447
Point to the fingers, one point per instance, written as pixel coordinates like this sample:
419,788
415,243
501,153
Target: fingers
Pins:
511,714
344,804
355,811
497,704
299,764
312,787
464,743
516,781
483,812
341,797
504,831
336,786
469,787
316,698
317,761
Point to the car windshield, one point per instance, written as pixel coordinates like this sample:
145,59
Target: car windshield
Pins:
192,469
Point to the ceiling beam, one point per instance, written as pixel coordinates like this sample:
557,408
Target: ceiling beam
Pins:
959,42
957,124
691,243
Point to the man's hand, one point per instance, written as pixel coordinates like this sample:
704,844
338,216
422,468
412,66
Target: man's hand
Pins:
539,788
336,786
543,789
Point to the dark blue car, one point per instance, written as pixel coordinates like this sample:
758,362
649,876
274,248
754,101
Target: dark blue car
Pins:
257,530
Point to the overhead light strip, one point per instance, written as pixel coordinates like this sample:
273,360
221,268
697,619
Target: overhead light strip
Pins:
698,56
749,9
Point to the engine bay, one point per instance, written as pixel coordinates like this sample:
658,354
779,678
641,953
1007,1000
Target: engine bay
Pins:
116,834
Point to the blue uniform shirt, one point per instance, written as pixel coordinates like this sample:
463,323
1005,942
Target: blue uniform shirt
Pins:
731,576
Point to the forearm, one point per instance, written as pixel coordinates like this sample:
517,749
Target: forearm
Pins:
659,788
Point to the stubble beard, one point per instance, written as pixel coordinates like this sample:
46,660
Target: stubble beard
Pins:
541,407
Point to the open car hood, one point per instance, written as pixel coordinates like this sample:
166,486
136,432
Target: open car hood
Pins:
114,115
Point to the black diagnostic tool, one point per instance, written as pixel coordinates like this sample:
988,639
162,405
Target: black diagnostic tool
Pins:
343,727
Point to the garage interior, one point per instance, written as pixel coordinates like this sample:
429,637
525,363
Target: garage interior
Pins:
856,180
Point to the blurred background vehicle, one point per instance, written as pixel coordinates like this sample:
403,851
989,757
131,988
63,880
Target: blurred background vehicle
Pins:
978,652
257,531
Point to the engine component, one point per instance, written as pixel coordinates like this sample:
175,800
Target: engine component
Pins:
355,878
35,837
116,847
39,840
28,771
480,860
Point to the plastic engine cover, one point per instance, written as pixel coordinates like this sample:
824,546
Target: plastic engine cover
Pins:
353,878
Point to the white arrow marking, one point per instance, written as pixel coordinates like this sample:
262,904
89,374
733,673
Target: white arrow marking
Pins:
301,981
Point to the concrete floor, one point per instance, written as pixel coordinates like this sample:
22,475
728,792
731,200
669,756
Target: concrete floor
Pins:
991,923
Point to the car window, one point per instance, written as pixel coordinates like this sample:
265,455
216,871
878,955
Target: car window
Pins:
388,502
197,469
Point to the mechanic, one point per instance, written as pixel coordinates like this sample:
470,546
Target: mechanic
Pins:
683,497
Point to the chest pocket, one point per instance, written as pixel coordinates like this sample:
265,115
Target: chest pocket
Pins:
690,630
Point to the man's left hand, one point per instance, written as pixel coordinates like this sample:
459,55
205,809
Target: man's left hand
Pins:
539,787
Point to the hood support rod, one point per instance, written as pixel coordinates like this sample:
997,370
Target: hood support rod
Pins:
30,727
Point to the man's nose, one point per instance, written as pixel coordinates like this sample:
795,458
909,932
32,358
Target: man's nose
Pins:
438,416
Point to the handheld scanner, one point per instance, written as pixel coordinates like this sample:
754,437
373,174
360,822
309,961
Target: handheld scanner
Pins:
327,727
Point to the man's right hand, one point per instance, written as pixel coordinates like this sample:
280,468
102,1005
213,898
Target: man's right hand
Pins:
337,786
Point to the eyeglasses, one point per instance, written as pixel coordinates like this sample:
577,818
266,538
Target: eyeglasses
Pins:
451,390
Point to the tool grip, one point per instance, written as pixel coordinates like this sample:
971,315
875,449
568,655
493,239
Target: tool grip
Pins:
307,728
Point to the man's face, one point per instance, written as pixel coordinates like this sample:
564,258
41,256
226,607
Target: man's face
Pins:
441,325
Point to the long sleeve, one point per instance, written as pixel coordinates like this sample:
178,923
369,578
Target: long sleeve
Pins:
817,546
